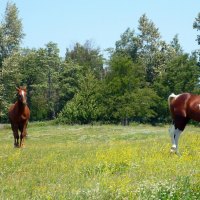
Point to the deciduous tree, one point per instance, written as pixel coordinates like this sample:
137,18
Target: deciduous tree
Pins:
11,33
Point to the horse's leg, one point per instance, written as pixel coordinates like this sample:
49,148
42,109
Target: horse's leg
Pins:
172,136
21,140
175,131
23,134
16,135
175,134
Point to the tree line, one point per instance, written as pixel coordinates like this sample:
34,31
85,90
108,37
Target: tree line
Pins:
132,85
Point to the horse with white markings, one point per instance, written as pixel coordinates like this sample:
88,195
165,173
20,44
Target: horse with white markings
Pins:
19,115
183,107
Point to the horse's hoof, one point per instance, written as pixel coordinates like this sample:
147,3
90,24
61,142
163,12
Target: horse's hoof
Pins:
22,146
173,150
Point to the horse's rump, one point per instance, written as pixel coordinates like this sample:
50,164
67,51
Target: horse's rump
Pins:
183,107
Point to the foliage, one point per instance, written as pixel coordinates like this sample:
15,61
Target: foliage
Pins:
85,105
181,75
51,63
11,33
38,70
126,88
176,45
88,57
132,85
196,25
70,74
128,44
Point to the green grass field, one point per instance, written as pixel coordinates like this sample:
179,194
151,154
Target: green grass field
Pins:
99,162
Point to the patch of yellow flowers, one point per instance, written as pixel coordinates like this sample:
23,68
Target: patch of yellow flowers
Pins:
145,169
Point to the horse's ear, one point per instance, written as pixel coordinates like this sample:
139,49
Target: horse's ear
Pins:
17,89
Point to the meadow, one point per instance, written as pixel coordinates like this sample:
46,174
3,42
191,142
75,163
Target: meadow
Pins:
99,162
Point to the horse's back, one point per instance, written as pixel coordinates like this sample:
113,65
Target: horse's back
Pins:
185,105
193,107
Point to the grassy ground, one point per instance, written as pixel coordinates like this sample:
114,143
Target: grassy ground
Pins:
99,162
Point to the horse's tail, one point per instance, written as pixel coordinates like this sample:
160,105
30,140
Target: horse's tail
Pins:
170,98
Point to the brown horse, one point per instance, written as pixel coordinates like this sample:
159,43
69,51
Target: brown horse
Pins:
183,107
19,115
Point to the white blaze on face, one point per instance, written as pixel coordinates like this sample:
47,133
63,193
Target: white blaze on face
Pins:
22,93
23,97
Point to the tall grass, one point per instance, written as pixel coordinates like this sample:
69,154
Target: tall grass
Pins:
99,162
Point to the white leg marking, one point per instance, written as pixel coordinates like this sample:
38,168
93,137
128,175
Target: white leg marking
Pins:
175,134
171,132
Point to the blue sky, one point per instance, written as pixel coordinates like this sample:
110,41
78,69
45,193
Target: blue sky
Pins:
102,21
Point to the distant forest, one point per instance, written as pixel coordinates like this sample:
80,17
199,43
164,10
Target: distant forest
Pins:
131,85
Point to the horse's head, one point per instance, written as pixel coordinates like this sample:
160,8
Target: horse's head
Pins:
21,95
